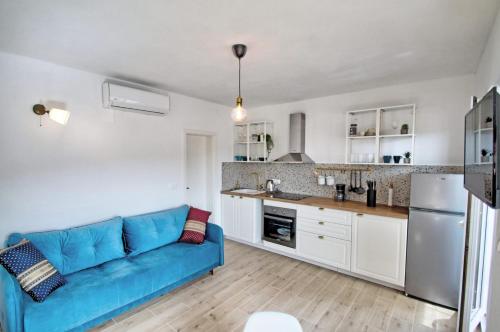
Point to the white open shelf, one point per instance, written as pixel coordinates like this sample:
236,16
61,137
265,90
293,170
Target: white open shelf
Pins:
250,144
385,137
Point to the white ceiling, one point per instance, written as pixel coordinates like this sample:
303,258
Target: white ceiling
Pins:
297,49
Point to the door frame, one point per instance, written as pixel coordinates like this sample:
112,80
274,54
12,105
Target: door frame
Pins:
212,137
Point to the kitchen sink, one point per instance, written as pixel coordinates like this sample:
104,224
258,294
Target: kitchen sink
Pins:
248,191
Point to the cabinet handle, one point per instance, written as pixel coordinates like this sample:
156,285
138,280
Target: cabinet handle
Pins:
321,222
232,196
321,237
241,197
359,214
321,209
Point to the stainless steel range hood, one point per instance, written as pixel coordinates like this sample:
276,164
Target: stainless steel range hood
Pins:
297,141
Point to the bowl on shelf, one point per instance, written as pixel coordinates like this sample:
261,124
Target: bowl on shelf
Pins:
387,159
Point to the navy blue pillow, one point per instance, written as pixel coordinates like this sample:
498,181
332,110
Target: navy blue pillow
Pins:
32,270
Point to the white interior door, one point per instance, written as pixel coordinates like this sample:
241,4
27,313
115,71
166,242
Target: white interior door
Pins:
199,172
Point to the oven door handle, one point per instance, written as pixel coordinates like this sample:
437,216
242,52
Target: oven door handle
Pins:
290,221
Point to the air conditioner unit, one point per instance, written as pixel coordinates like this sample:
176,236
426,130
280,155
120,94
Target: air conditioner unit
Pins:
120,97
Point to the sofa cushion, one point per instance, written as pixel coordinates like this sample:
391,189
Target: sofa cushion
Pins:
34,273
153,230
92,293
196,226
79,248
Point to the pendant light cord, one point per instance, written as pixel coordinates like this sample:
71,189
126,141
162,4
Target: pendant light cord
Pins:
239,77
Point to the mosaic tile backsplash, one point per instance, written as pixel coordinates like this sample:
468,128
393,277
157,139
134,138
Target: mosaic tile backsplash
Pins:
302,178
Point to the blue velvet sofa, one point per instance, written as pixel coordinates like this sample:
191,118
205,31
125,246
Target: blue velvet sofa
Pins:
110,267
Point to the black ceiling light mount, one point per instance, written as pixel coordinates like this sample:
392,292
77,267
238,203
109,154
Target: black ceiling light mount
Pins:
239,113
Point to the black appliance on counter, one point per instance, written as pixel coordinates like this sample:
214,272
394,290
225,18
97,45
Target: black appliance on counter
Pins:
279,225
482,140
288,196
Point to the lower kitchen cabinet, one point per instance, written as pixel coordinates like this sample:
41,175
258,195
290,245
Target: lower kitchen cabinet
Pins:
379,247
242,218
324,249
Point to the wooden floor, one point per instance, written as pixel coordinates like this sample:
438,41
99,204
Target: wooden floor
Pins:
256,280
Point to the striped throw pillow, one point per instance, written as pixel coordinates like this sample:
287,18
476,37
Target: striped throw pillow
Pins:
32,270
195,227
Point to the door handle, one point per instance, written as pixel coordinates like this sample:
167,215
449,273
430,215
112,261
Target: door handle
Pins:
359,214
321,209
321,237
188,188
321,222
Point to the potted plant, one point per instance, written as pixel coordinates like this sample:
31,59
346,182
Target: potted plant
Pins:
269,144
407,156
396,159
404,129
484,156
387,159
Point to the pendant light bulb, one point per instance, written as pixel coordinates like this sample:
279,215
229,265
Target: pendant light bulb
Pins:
238,113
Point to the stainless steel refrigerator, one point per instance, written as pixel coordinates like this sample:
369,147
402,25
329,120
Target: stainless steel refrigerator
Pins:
435,246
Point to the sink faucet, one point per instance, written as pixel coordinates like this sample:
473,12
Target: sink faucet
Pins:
258,186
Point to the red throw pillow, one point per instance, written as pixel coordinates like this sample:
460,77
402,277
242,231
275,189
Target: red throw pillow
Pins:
195,227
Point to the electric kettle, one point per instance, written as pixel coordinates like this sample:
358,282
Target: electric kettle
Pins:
270,187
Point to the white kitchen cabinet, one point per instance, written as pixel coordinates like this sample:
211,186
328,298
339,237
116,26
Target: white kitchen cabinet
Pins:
242,218
324,249
379,247
324,235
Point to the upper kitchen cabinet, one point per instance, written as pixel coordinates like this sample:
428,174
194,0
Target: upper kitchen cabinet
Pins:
383,135
253,141
379,247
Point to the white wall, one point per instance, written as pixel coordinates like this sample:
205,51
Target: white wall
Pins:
441,105
103,163
487,75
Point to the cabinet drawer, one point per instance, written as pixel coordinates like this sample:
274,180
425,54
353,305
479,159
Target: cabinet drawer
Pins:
324,249
335,230
322,214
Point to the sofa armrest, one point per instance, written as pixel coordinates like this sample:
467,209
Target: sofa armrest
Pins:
216,235
11,303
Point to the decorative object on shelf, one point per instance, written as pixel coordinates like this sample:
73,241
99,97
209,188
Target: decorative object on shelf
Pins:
407,156
321,180
55,114
370,132
396,159
404,129
330,180
394,125
238,113
371,193
387,159
390,194
489,122
484,156
353,130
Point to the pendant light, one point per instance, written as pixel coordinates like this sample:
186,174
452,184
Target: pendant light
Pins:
238,113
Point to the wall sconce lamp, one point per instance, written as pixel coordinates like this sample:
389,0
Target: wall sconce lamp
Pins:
55,114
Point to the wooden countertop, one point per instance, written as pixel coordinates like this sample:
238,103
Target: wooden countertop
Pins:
328,203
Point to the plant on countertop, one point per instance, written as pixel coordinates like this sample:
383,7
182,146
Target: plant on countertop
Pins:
404,129
407,156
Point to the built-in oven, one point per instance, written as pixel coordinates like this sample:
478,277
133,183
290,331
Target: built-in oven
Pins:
279,225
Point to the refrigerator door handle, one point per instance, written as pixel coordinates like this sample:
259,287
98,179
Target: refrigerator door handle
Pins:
451,213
